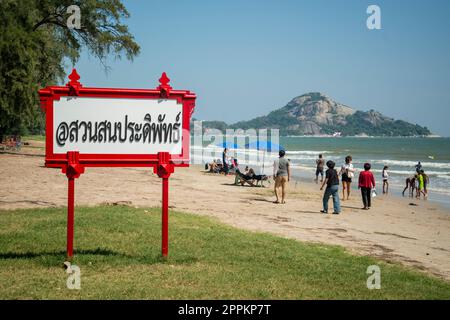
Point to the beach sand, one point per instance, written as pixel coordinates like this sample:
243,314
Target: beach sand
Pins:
415,235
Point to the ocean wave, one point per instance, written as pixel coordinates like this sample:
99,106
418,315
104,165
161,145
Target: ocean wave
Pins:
405,163
296,166
307,152
439,190
442,174
310,156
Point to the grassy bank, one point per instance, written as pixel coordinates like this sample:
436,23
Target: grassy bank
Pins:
118,252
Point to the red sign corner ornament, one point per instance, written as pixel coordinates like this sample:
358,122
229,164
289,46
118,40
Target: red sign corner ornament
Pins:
111,127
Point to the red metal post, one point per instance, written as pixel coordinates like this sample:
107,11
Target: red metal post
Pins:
73,170
165,217
70,217
164,170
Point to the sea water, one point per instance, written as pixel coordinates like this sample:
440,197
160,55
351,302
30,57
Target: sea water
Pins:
400,154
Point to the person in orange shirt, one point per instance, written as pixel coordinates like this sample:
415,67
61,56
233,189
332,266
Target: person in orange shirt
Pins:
366,184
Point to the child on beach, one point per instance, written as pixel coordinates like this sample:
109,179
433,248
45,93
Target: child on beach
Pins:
347,173
385,177
420,185
332,182
411,184
319,168
366,184
426,182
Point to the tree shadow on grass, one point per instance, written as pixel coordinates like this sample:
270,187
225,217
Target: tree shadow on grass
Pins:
149,259
35,202
32,255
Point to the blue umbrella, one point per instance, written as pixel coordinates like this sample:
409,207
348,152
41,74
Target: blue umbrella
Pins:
264,146
228,145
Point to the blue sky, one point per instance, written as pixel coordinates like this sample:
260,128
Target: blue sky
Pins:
246,58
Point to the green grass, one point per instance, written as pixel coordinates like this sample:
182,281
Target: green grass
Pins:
118,252
33,137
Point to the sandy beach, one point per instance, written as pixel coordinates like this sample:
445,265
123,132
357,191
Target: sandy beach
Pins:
414,233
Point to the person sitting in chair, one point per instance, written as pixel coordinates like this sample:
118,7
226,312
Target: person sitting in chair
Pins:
260,178
244,178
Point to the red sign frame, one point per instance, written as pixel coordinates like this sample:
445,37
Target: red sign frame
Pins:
73,163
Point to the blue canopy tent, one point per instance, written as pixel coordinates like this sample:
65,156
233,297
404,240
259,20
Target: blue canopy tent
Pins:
228,145
264,146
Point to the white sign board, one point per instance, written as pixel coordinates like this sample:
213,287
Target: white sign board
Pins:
117,126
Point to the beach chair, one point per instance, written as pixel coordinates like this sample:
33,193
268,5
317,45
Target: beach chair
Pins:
260,178
242,179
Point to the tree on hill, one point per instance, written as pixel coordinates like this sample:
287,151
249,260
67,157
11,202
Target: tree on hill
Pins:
35,41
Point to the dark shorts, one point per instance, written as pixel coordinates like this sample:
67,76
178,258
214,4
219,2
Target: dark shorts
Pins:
319,171
346,178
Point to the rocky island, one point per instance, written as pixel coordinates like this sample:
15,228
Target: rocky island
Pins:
317,114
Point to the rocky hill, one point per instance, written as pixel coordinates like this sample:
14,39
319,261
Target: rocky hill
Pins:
317,114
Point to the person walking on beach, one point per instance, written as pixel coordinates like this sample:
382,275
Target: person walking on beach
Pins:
347,173
332,182
385,177
366,183
319,168
281,175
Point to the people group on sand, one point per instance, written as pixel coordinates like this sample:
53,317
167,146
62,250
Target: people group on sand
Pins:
366,183
225,165
416,185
